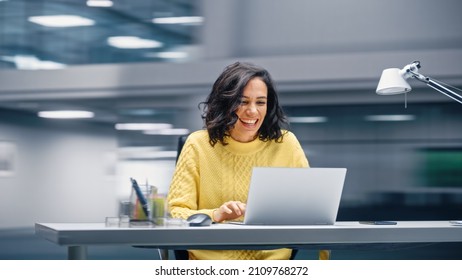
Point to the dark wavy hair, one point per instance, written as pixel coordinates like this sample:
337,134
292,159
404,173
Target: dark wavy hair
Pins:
219,109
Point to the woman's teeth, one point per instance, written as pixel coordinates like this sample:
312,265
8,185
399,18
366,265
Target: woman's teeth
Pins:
249,121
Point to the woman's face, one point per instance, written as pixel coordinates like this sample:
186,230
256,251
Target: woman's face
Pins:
251,111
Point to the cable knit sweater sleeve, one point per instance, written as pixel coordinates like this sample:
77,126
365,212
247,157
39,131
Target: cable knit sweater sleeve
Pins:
184,188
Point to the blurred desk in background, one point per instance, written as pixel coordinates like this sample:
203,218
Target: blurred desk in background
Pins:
343,235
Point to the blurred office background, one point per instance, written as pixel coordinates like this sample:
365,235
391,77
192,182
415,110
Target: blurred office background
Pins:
153,61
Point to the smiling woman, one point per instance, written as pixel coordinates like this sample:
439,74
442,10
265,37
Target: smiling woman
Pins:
244,122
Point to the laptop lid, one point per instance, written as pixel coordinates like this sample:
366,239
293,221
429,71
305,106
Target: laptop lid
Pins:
294,196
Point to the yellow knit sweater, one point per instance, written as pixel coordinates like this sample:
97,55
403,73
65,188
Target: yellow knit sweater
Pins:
206,177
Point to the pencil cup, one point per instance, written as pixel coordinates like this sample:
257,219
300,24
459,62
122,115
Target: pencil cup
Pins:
124,212
159,208
124,208
142,212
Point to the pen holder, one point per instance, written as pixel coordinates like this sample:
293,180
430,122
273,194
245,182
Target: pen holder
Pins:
137,213
159,209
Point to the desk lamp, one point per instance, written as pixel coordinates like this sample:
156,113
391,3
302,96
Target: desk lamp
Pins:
393,81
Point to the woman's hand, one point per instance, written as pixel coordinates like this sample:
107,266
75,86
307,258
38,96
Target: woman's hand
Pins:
229,211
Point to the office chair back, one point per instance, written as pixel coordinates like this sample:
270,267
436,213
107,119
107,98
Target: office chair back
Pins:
181,142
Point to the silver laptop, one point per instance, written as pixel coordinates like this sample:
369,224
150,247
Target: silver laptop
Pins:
294,196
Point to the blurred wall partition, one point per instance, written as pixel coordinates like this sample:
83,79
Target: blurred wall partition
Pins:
63,171
395,156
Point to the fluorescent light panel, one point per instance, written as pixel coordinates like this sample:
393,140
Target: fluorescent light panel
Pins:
179,20
30,62
61,21
314,119
138,112
390,118
99,3
169,55
142,126
132,42
66,114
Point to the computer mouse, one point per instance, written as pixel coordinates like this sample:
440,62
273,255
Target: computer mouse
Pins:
199,220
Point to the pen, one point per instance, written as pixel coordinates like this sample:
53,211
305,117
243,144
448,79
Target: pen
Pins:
141,198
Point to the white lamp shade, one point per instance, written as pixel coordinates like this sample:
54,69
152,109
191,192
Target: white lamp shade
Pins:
392,82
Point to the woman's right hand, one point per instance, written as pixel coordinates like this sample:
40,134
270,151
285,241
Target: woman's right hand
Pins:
229,211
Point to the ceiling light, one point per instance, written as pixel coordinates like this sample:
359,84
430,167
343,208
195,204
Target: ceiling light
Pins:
66,114
168,131
61,21
132,42
142,126
178,20
99,3
138,112
307,119
390,118
169,55
30,62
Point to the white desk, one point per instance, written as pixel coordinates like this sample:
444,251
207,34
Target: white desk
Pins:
77,236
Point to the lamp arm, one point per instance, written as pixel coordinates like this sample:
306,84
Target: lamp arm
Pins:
444,90
437,86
